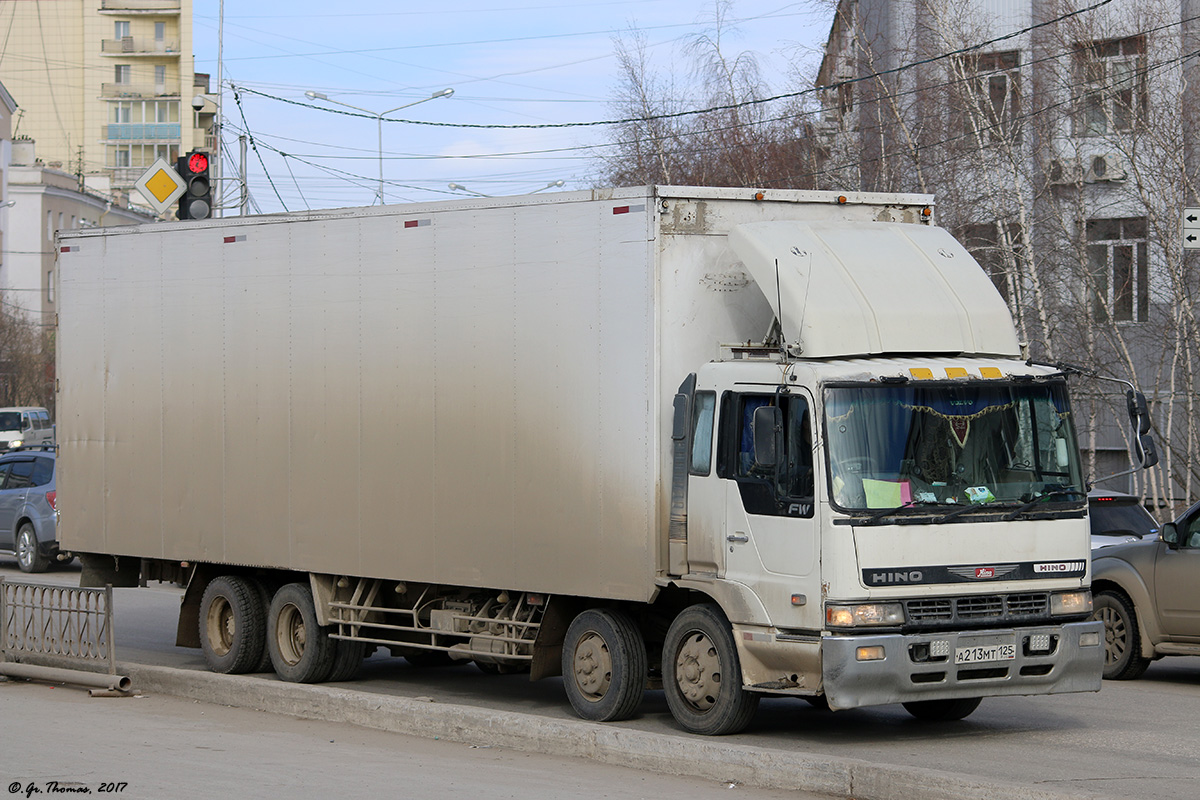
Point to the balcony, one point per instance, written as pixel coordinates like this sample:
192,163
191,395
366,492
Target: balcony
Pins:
168,89
161,8
141,132
130,46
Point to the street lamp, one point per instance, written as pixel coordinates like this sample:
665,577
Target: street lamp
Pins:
458,187
379,115
550,185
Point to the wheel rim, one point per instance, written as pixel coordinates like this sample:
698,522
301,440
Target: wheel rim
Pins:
1116,636
219,625
593,666
290,634
26,549
698,671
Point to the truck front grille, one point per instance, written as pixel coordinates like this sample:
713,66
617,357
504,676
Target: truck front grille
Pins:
992,610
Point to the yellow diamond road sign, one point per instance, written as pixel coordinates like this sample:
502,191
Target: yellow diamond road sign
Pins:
161,185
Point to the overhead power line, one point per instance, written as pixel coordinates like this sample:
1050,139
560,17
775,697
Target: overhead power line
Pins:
699,111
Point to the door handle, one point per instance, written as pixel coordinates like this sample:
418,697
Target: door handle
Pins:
738,537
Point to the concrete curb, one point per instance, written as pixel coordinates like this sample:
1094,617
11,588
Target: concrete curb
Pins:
713,759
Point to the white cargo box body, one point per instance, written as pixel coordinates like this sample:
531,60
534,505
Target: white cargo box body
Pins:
471,393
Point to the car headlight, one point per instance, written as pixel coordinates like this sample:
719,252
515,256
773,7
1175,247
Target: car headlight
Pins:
1072,603
864,614
15,443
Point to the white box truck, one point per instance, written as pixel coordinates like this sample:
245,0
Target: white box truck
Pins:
732,443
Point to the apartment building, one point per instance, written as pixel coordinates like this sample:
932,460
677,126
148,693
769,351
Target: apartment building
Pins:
1061,142
105,86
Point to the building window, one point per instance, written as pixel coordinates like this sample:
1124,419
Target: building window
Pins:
160,33
121,29
1120,270
50,287
122,73
160,77
993,94
122,112
1112,76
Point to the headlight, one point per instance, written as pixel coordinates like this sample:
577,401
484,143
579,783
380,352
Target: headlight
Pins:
1073,603
15,443
851,616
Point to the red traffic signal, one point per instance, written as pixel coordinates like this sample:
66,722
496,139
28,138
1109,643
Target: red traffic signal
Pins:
196,201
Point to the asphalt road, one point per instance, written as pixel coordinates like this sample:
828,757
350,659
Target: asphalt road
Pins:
1132,739
157,746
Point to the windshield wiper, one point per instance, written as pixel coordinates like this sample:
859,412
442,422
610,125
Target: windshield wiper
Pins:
1042,499
958,512
887,512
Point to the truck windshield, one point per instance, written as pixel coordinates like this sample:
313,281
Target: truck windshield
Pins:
10,420
972,443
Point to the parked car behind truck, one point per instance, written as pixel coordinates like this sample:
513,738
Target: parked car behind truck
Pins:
1148,597
28,509
756,443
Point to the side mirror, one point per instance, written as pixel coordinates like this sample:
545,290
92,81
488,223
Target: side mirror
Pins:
1139,414
1170,534
766,425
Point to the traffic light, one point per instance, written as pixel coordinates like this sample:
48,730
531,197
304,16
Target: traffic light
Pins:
196,200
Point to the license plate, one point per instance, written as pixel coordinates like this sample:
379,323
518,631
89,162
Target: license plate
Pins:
982,654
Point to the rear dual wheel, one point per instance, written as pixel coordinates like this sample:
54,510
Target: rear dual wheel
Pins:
233,619
604,665
301,650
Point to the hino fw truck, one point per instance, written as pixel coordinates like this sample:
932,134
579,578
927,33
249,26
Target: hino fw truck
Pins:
726,443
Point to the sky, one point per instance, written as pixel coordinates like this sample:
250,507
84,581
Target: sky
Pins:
509,62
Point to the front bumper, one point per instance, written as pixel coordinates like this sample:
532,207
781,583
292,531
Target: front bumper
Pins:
922,666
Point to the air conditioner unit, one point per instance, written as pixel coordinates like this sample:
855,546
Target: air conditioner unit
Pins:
1062,172
1106,167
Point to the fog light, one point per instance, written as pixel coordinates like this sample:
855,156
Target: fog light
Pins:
869,653
1039,643
1089,640
939,648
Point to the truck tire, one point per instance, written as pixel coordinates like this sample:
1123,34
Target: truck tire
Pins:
347,659
264,595
604,665
29,555
233,624
301,650
1123,659
943,710
702,677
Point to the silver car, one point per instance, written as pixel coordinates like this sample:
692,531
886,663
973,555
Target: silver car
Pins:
1147,594
28,514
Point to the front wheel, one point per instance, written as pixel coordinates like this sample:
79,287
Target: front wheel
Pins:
29,556
1123,658
604,665
702,678
943,710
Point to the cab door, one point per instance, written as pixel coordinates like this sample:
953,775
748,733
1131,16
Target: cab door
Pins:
771,527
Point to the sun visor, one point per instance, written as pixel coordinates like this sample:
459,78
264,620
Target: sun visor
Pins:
872,288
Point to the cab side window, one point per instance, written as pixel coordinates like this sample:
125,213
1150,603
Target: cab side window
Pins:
784,488
704,407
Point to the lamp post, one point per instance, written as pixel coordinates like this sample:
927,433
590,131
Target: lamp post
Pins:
458,187
379,115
